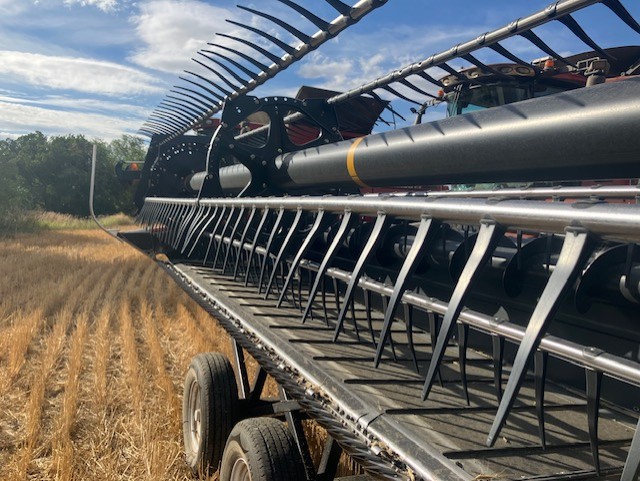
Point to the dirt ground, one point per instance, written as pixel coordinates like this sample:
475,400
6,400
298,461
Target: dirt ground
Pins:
94,343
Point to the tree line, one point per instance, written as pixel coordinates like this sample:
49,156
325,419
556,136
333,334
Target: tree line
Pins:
53,174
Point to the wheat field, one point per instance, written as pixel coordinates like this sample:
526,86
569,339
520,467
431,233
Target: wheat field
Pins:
94,343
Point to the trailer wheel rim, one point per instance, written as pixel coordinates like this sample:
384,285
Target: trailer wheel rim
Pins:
240,471
195,415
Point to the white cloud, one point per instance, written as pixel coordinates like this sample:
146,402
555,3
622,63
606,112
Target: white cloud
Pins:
80,104
19,118
172,32
79,74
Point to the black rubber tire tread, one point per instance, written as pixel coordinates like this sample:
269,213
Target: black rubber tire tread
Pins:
219,409
269,449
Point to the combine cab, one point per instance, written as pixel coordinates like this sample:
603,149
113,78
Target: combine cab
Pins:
434,335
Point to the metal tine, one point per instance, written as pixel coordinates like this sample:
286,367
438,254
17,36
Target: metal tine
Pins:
171,113
254,243
367,308
203,230
324,301
213,233
243,236
210,82
159,218
177,107
567,269
317,21
274,58
303,37
221,243
272,236
416,89
569,22
316,228
399,95
631,468
260,65
496,47
383,221
158,126
336,294
593,386
354,319
430,79
166,120
482,66
219,75
231,237
276,41
185,225
348,221
238,65
408,320
342,8
186,106
206,89
616,7
195,106
293,228
203,212
209,101
421,243
463,335
540,376
385,304
244,82
538,42
167,222
177,222
489,235
497,344
164,219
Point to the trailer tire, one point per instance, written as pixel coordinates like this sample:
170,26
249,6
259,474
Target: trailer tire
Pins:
209,411
261,449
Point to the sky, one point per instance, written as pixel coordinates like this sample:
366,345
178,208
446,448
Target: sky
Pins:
99,67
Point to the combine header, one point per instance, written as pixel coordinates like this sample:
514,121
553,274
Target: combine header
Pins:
437,327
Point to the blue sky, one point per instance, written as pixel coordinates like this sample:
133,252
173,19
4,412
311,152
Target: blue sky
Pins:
99,67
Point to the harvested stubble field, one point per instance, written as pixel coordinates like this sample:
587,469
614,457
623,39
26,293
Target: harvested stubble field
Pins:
94,343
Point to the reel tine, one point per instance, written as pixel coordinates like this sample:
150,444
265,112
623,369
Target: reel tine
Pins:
220,76
243,237
227,69
570,22
225,92
408,319
422,242
207,101
575,247
631,468
206,89
238,65
484,67
203,230
430,79
317,21
383,221
496,47
538,42
311,236
488,237
399,95
181,107
293,228
185,225
593,388
342,8
272,236
406,83
195,107
463,336
254,243
367,307
540,376
231,237
497,345
289,28
221,245
616,7
202,213
249,59
213,234
276,41
348,221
